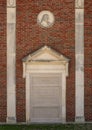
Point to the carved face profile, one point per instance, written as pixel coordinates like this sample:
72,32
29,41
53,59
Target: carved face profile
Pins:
45,19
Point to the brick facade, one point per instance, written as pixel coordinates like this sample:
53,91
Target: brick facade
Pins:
30,37
61,37
2,61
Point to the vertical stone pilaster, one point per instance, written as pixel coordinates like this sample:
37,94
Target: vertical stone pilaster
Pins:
11,61
79,56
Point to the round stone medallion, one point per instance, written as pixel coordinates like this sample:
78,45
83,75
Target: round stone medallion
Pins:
45,19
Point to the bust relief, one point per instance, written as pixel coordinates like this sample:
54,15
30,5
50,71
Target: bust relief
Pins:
45,19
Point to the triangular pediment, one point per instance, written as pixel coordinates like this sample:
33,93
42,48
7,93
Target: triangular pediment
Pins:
45,54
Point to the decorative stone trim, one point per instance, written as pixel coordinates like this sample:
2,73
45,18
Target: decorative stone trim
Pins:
45,61
79,4
79,56
11,3
11,61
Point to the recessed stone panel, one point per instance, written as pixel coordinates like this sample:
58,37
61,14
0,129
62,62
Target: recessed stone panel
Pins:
79,62
79,39
11,15
79,13
11,47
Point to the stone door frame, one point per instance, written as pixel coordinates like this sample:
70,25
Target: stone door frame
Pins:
45,60
59,69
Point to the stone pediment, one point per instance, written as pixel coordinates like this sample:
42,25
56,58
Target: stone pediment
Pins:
45,60
45,54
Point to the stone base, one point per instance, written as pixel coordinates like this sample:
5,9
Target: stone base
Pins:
11,120
79,119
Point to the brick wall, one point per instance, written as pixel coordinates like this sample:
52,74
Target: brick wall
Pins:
88,60
30,37
2,60
61,37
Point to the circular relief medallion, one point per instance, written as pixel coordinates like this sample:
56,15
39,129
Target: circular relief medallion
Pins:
45,19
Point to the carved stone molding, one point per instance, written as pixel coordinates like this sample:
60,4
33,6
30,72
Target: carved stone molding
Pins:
43,63
11,3
79,3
